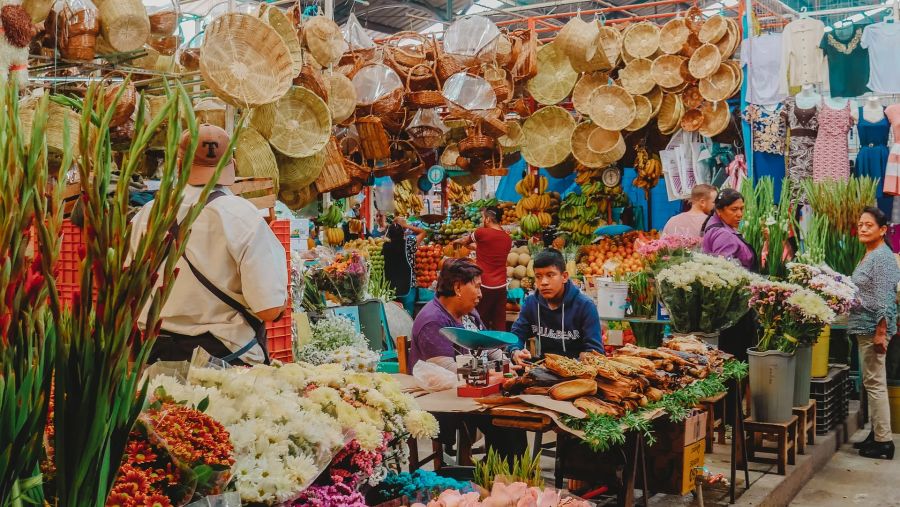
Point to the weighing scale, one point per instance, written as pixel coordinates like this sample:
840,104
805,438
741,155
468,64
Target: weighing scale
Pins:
483,376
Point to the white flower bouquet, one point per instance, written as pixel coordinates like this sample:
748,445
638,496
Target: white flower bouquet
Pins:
704,294
336,340
789,315
838,291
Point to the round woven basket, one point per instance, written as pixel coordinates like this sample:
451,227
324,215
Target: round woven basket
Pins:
296,199
713,29
637,76
341,96
124,23
642,39
297,125
583,154
655,97
514,138
425,99
716,117
253,156
692,44
691,97
692,120
609,146
720,85
666,71
450,155
704,61
244,61
730,41
673,35
643,110
610,40
300,172
548,136
612,108
414,51
739,75
581,93
670,113
211,111
555,77
285,28
59,119
578,39
324,40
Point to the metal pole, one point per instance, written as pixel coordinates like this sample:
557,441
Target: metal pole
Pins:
746,132
329,9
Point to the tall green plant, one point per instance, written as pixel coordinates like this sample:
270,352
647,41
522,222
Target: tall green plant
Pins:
29,214
101,351
842,202
767,225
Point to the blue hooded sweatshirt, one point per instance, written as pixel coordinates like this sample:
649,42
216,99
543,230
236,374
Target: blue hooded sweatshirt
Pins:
569,330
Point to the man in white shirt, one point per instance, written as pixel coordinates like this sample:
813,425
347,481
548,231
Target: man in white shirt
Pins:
690,223
233,275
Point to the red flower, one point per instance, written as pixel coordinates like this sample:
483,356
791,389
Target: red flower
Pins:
156,501
139,451
119,500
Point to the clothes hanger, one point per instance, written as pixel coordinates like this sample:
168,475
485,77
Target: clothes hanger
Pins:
803,13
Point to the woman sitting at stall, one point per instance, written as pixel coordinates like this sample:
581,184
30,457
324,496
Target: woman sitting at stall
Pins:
399,260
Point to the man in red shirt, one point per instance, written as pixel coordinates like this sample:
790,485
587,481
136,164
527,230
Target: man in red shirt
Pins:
492,246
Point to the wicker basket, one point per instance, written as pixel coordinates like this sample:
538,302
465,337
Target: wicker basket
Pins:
297,125
655,97
500,81
347,191
37,9
555,77
324,39
666,71
580,150
313,80
514,138
190,59
611,41
124,23
692,120
163,22
302,171
608,146
127,101
341,96
643,111
373,138
297,199
705,61
713,29
425,137
578,40
612,108
59,120
333,174
446,65
403,157
720,85
642,39
494,124
409,55
254,157
526,64
670,113
673,35
424,99
211,111
637,76
244,61
716,117
731,40
548,136
280,22
476,145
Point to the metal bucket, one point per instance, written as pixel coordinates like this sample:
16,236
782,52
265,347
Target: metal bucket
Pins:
772,377
803,375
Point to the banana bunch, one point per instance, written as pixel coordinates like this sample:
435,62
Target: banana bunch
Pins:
579,216
459,194
586,175
649,169
532,184
331,217
334,236
407,201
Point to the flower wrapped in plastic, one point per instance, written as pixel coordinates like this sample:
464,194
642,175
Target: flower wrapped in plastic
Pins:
838,291
789,315
663,252
345,278
704,294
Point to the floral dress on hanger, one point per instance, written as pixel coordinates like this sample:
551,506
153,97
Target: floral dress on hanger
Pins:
831,159
804,127
892,172
769,132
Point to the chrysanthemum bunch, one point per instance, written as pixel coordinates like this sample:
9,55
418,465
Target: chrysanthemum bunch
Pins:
336,340
838,291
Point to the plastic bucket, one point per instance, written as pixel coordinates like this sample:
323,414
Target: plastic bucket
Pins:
802,376
772,376
820,354
612,298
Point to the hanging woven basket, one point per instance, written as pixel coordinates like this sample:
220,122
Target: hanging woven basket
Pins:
637,76
643,111
124,23
555,76
276,18
716,117
642,39
548,136
341,97
301,171
425,99
297,125
612,108
324,39
254,158
673,36
581,93
334,174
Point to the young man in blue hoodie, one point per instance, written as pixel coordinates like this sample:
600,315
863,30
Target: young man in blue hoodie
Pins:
560,317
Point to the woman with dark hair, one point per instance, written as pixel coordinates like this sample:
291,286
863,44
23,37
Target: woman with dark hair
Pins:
399,261
720,231
873,322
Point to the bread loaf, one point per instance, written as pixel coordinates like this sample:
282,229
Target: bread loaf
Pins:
597,406
572,389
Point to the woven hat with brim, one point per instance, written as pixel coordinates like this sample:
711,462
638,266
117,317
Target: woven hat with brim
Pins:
324,40
297,125
718,86
612,108
642,39
655,97
548,136
555,76
673,35
713,29
716,117
610,41
637,76
577,39
692,120
608,145
212,146
341,96
666,71
670,113
705,61
254,156
643,111
581,94
583,154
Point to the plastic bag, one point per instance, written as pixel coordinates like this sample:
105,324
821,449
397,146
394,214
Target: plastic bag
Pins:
472,93
373,82
470,36
232,499
428,118
355,35
384,195
432,377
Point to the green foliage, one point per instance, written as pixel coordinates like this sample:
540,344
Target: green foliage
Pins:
525,468
841,202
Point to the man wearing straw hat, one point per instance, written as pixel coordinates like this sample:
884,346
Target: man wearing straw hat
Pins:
233,274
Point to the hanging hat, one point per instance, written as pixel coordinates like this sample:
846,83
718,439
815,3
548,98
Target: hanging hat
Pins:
718,86
713,29
642,39
704,61
673,36
581,94
666,70
548,136
612,108
555,76
637,76
716,116
670,113
643,111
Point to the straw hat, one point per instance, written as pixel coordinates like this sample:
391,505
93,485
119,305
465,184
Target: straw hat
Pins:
673,35
577,39
655,97
341,96
713,29
666,70
302,171
643,111
581,94
716,116
244,61
324,39
254,157
608,145
297,125
285,28
612,107
720,85
583,154
642,39
610,40
637,76
704,61
691,97
692,120
548,136
555,76
670,113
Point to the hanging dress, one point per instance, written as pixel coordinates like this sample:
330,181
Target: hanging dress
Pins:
804,126
769,132
872,158
831,159
892,172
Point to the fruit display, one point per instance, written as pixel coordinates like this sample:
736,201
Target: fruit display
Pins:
532,207
614,255
456,252
579,217
466,213
459,194
509,213
407,201
649,169
334,236
427,259
519,268
452,230
369,248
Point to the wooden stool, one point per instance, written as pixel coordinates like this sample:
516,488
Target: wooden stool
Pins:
714,424
806,423
786,439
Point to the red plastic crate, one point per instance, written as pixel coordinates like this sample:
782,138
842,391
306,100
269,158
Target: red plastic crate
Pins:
280,338
69,264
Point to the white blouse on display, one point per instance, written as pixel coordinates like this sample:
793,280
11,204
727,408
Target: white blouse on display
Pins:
762,56
883,42
803,61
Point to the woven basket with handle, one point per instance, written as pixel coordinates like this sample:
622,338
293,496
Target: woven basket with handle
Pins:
127,101
333,174
424,99
373,138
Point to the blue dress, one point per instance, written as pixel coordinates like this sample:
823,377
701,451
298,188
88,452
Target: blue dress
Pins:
873,153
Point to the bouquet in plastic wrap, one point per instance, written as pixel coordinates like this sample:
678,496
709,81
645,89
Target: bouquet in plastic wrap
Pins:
838,291
789,315
704,294
344,278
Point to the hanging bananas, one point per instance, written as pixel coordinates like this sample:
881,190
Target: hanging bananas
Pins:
459,194
532,208
649,169
407,201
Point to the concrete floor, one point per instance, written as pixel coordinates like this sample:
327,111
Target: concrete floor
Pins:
849,479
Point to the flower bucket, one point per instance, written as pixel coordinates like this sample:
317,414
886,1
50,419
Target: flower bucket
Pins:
612,298
802,376
820,354
772,385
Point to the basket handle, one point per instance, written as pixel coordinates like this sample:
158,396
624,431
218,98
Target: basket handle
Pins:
430,69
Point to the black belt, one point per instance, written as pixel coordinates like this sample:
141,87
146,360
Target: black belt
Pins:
803,133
